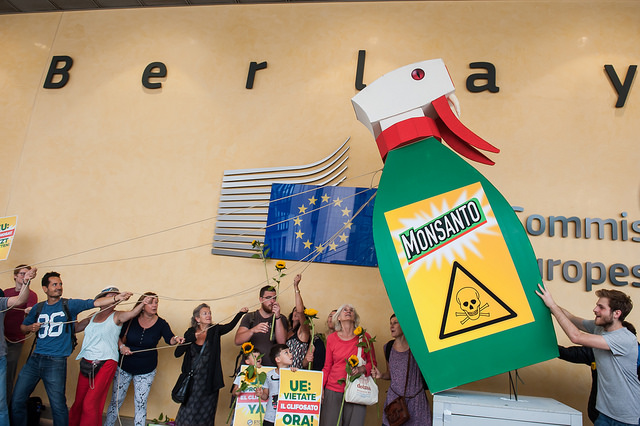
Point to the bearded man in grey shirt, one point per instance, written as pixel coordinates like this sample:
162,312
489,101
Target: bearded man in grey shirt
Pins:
615,349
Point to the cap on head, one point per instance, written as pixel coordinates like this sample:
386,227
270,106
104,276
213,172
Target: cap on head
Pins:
106,291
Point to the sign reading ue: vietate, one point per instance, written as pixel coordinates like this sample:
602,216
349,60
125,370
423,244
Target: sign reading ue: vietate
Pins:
60,72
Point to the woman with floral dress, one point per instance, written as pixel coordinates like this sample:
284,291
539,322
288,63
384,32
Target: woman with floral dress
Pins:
200,408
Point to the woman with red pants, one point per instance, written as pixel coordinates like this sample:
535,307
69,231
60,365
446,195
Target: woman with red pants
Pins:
98,359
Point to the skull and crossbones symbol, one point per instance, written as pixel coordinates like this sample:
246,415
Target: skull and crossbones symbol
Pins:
469,300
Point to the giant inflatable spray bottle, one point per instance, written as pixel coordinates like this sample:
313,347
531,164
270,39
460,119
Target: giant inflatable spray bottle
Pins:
456,262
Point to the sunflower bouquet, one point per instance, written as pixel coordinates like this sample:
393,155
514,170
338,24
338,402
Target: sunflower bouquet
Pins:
251,374
251,377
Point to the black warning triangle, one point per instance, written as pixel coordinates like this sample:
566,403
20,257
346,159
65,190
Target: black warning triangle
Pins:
510,312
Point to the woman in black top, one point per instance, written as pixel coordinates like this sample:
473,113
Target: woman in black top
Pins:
200,408
139,334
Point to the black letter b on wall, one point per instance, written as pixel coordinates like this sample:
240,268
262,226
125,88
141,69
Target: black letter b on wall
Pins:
63,72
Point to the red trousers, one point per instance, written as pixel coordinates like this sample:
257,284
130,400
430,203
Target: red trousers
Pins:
90,397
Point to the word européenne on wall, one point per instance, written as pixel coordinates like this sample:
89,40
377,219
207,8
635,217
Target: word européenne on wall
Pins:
59,73
593,273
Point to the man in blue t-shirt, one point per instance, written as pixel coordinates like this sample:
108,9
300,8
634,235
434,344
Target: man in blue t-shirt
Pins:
615,349
48,362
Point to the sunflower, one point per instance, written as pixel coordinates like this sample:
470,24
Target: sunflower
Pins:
280,265
353,361
358,331
247,348
310,312
250,375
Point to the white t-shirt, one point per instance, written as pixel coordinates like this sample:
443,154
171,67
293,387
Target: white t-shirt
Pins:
273,384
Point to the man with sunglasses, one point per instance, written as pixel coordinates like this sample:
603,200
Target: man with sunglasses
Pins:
255,326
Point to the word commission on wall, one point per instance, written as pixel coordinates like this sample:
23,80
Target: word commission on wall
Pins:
58,76
593,272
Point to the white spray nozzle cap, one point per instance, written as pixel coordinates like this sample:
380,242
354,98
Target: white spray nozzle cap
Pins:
403,93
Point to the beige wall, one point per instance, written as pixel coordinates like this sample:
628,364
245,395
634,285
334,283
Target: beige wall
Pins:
104,160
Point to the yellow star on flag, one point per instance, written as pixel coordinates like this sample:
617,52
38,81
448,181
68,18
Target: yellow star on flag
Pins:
299,234
346,211
333,246
347,224
297,220
343,238
320,248
325,198
307,244
302,209
312,201
337,202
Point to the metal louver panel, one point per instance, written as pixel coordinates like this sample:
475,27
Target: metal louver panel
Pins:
244,198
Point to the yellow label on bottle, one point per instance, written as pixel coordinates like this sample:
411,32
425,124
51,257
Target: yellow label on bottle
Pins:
460,274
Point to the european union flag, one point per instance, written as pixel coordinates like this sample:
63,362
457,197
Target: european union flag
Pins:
328,224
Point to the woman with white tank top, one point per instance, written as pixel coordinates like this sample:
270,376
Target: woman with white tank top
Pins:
98,359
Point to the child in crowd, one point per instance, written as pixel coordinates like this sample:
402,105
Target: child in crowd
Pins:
282,356
253,359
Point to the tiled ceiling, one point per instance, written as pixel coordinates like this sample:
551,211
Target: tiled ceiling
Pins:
31,6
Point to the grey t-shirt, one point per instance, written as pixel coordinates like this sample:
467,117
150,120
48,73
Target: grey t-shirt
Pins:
262,341
618,384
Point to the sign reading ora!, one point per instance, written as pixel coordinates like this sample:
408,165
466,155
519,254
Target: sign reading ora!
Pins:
440,240
299,398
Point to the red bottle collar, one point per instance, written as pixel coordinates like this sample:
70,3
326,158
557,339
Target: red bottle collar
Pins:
406,132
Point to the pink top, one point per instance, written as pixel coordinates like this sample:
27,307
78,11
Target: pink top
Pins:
338,351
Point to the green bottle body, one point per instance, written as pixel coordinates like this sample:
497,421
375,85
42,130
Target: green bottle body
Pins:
421,171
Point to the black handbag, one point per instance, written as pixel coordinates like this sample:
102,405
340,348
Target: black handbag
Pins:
181,391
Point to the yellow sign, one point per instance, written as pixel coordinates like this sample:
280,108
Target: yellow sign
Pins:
7,232
463,296
248,406
299,398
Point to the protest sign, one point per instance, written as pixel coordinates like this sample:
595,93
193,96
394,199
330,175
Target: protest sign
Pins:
248,411
299,398
7,232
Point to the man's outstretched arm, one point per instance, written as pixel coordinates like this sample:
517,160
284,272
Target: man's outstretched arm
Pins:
568,326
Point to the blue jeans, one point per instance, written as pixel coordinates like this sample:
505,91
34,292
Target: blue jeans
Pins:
52,370
4,411
603,420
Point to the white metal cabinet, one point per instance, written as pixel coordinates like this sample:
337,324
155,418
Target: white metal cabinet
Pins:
469,408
